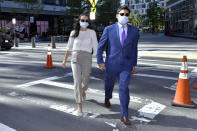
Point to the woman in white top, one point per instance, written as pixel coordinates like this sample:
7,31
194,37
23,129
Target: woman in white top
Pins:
81,43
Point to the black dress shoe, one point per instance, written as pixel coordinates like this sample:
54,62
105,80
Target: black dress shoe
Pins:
107,103
125,120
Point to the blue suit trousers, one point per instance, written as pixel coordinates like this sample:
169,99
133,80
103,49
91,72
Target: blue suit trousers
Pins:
124,75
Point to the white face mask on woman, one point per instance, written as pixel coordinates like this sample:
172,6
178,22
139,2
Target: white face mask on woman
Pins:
84,24
123,20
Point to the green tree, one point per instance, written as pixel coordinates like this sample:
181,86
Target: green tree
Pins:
75,8
154,14
106,11
137,19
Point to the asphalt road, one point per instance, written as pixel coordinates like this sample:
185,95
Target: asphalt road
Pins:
33,98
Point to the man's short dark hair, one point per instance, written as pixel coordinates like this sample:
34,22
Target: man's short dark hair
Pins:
123,8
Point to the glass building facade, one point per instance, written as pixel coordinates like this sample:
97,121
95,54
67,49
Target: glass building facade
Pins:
181,18
46,13
141,6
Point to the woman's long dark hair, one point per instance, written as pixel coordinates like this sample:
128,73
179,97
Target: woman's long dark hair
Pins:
76,26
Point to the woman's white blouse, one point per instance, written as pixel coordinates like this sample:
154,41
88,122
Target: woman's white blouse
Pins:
86,41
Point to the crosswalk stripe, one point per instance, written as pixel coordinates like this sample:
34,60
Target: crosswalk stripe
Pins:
151,110
156,76
94,91
167,61
148,111
162,65
138,68
111,124
5,128
140,119
37,82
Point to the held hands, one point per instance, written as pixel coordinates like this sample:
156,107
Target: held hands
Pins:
101,66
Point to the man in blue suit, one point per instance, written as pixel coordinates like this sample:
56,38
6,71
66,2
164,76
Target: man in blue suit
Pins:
121,40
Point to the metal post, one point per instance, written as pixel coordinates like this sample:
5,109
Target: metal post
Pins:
53,42
15,40
33,42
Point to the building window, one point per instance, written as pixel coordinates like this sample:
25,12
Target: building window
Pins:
143,5
136,11
137,1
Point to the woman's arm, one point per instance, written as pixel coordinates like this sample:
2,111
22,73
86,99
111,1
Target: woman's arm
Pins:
95,43
69,49
65,59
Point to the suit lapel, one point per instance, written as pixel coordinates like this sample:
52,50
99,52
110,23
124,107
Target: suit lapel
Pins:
128,33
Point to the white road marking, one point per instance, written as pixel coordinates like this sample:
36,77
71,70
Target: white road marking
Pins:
156,76
150,45
94,78
37,82
173,87
19,61
159,61
64,108
44,81
13,62
72,111
139,68
111,124
5,128
94,91
194,73
162,65
13,94
57,84
94,115
2,99
142,119
91,77
151,110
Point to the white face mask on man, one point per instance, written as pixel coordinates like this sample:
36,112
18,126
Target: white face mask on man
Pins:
123,20
84,24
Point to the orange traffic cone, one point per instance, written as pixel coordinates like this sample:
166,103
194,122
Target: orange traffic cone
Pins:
49,58
182,95
195,86
134,71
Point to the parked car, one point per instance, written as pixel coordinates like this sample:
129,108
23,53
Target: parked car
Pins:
6,42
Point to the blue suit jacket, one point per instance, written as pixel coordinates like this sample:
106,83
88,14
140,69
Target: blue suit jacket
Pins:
116,54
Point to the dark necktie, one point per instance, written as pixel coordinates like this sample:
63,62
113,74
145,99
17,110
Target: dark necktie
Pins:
123,36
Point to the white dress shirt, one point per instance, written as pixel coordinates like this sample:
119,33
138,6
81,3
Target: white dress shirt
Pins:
86,41
121,30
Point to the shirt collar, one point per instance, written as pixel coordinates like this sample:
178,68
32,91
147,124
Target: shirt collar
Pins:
120,26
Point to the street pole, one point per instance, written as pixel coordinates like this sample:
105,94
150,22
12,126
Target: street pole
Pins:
1,1
53,41
33,42
15,40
